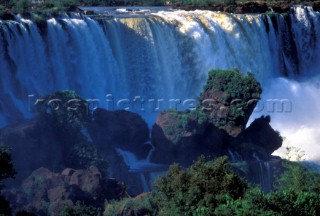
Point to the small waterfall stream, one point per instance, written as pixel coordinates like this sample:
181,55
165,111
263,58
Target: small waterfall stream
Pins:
144,167
264,173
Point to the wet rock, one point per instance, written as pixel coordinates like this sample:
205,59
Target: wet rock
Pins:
261,134
183,136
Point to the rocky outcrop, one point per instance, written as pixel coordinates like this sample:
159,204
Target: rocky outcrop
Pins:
175,143
262,135
47,193
229,98
180,136
217,127
41,143
119,129
112,131
250,151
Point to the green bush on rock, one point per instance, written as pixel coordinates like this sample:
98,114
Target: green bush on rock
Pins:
67,115
199,188
229,98
67,110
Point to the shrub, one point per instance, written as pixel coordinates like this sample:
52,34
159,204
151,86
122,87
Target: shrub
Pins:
22,6
298,178
199,188
290,202
80,209
67,110
233,89
146,205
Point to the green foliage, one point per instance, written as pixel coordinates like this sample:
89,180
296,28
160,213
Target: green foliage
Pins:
85,154
234,84
290,202
132,206
240,92
199,188
297,178
80,209
181,122
2,8
240,207
21,6
212,188
67,110
271,14
68,115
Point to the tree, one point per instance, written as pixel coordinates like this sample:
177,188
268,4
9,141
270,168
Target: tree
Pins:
298,178
67,111
199,188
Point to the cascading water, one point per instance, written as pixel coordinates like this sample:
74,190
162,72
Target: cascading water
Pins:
165,55
264,173
143,167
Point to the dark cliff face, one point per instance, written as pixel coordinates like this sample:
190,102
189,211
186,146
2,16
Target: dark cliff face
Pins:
119,129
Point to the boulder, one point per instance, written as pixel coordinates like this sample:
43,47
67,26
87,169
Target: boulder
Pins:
182,136
119,129
47,193
261,134
229,98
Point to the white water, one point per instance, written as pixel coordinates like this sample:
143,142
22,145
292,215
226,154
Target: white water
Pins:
164,56
139,166
264,172
142,167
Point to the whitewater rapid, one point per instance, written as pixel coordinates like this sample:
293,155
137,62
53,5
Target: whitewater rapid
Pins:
165,55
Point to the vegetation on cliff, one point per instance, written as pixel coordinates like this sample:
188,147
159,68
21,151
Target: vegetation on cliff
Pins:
232,91
67,110
227,101
67,114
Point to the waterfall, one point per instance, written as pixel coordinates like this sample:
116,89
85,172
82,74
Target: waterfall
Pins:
265,175
268,176
233,158
142,167
261,176
161,56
